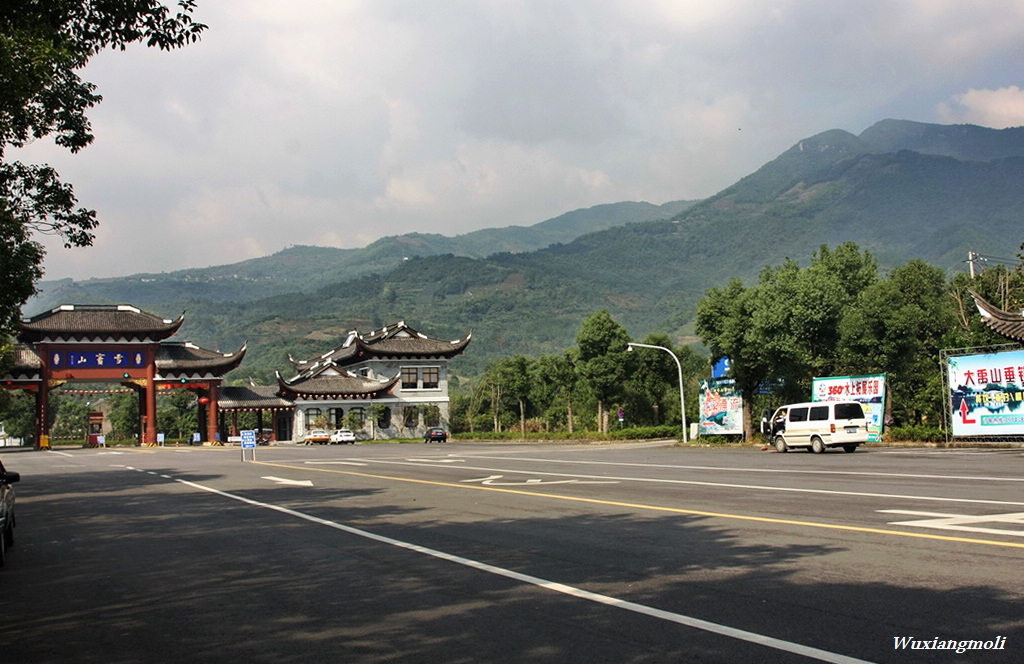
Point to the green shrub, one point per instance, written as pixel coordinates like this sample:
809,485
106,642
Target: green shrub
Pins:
645,433
916,433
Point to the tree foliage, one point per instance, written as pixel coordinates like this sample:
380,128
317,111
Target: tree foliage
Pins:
43,46
604,361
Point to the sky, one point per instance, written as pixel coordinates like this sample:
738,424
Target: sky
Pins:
334,122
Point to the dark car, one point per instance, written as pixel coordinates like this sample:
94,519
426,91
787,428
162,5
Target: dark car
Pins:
7,478
436,435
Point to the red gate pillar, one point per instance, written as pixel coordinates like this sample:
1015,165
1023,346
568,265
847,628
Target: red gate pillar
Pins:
43,412
212,414
150,388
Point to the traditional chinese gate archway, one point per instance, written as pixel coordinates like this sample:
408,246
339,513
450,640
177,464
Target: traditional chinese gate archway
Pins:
115,343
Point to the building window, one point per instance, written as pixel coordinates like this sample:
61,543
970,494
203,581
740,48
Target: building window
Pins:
384,421
432,416
336,417
410,417
357,416
431,378
410,379
312,415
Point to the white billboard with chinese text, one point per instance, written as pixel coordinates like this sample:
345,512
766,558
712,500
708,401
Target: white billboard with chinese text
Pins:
986,393
868,390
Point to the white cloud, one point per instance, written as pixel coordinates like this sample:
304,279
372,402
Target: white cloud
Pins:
337,122
992,108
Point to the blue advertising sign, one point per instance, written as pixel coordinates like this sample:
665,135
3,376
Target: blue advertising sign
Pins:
248,439
721,367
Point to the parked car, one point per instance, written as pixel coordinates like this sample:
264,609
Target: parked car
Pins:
7,478
817,426
317,437
342,436
435,435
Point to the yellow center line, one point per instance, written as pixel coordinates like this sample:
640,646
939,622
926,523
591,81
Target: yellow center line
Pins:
658,508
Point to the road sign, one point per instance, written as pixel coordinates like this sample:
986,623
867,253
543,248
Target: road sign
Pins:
248,443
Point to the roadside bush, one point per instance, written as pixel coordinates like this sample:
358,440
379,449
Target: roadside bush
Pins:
645,433
916,433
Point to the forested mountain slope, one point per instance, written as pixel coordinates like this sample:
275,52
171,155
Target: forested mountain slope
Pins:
307,269
827,189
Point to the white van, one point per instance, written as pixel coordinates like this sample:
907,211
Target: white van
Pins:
817,425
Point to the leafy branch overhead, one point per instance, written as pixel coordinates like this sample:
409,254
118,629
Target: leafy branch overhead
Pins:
43,45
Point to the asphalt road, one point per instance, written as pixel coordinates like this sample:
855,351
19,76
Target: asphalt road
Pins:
625,553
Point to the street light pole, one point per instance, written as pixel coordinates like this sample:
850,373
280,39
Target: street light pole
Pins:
679,366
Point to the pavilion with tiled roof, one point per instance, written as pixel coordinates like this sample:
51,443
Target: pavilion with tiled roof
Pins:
115,343
1001,322
402,371
259,399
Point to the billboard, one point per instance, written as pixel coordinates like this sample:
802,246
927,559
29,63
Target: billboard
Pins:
721,407
868,390
986,393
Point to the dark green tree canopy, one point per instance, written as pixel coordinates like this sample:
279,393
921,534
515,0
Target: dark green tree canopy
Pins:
43,45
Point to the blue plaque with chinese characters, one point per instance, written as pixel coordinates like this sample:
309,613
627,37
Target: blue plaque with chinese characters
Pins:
98,359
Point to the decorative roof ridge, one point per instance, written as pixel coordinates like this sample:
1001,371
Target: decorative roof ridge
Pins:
989,310
1001,322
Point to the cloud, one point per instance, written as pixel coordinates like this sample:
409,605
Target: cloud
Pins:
338,121
992,108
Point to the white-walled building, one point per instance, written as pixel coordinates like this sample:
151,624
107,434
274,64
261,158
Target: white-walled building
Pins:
395,373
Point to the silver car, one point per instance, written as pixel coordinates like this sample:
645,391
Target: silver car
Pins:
7,478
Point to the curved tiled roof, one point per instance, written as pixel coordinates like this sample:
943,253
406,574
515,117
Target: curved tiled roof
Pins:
347,386
175,359
97,321
252,397
1001,322
26,362
394,341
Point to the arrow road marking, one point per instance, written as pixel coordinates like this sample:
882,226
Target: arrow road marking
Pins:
438,460
281,480
963,522
336,463
492,481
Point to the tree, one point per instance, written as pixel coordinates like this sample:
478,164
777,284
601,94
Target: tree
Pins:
787,327
554,386
724,324
897,327
655,373
43,44
604,362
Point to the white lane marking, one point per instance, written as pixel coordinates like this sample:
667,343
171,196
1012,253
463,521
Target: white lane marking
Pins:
607,600
729,485
962,522
336,463
771,471
282,480
493,481
438,460
60,453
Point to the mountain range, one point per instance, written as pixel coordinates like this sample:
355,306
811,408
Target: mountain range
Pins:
900,189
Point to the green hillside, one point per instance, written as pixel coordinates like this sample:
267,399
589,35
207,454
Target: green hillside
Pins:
827,189
307,269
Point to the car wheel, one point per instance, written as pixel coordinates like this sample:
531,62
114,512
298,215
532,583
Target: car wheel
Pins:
850,448
817,446
9,535
780,444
